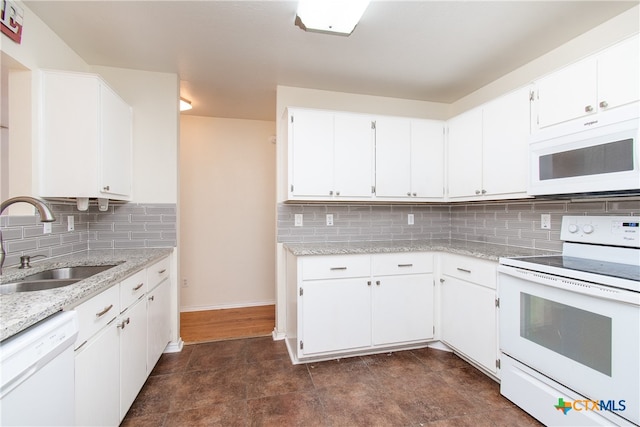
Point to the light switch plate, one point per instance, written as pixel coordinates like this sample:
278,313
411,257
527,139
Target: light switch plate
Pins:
329,219
297,220
70,223
545,221
46,227
410,219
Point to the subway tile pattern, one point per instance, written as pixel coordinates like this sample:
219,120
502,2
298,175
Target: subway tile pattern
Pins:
121,226
513,223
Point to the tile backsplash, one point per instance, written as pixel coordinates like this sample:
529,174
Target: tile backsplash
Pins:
514,223
124,225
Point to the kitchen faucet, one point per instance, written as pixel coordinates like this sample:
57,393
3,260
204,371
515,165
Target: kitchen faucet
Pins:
45,215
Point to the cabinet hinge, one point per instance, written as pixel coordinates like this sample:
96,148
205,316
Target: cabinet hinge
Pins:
498,363
532,96
498,302
301,345
301,291
373,189
373,125
434,330
291,119
292,188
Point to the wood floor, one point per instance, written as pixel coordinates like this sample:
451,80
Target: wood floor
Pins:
217,325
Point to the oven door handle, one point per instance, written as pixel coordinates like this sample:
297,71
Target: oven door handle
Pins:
571,285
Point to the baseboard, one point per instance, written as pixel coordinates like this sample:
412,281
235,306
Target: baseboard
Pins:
174,346
225,306
278,336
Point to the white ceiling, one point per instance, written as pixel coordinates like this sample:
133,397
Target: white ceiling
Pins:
230,55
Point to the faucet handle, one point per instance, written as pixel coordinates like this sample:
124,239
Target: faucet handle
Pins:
26,259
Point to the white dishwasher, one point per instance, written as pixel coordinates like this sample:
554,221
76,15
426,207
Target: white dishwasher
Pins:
37,374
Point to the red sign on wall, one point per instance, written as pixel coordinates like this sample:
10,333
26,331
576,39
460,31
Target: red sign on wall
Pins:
11,17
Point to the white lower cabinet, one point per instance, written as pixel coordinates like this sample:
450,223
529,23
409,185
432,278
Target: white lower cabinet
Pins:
123,331
468,319
357,304
97,382
132,326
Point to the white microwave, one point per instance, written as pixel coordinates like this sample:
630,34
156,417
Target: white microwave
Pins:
604,158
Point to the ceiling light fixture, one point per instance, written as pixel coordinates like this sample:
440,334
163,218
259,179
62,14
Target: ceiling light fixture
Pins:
185,104
330,16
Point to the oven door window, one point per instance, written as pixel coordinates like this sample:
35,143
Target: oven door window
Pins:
580,335
599,159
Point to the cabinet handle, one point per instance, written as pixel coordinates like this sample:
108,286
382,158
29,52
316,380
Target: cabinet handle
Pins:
604,104
124,323
588,109
331,193
103,312
405,265
464,270
151,298
337,268
162,271
484,191
138,287
441,280
415,194
377,282
368,282
409,193
106,188
337,193
477,191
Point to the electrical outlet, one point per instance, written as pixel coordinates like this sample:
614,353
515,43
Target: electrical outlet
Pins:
70,223
298,220
46,227
545,221
329,219
410,219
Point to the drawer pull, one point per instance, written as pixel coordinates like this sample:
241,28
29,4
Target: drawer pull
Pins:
162,271
103,312
368,282
337,268
405,265
377,282
138,287
151,298
464,270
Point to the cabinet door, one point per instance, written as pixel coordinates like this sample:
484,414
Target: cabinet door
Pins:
427,158
97,380
353,155
312,155
336,315
393,157
505,144
567,94
158,322
132,325
465,154
402,308
115,144
618,71
468,320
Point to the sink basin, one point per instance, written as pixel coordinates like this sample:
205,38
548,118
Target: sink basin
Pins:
80,272
51,279
34,285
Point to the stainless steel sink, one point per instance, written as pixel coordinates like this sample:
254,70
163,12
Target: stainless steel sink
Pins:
51,279
35,285
80,272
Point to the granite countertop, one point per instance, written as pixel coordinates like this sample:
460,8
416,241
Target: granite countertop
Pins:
487,251
20,310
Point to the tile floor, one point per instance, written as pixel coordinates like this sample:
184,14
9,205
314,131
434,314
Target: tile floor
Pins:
251,382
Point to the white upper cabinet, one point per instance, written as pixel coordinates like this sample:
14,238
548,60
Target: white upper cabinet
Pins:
85,135
331,155
409,158
597,84
488,149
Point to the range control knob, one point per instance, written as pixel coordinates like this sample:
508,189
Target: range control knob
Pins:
573,228
587,228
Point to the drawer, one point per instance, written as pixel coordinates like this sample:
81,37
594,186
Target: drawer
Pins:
158,272
479,271
95,313
401,263
335,266
132,288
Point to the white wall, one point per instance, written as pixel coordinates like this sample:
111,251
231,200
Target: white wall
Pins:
227,221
